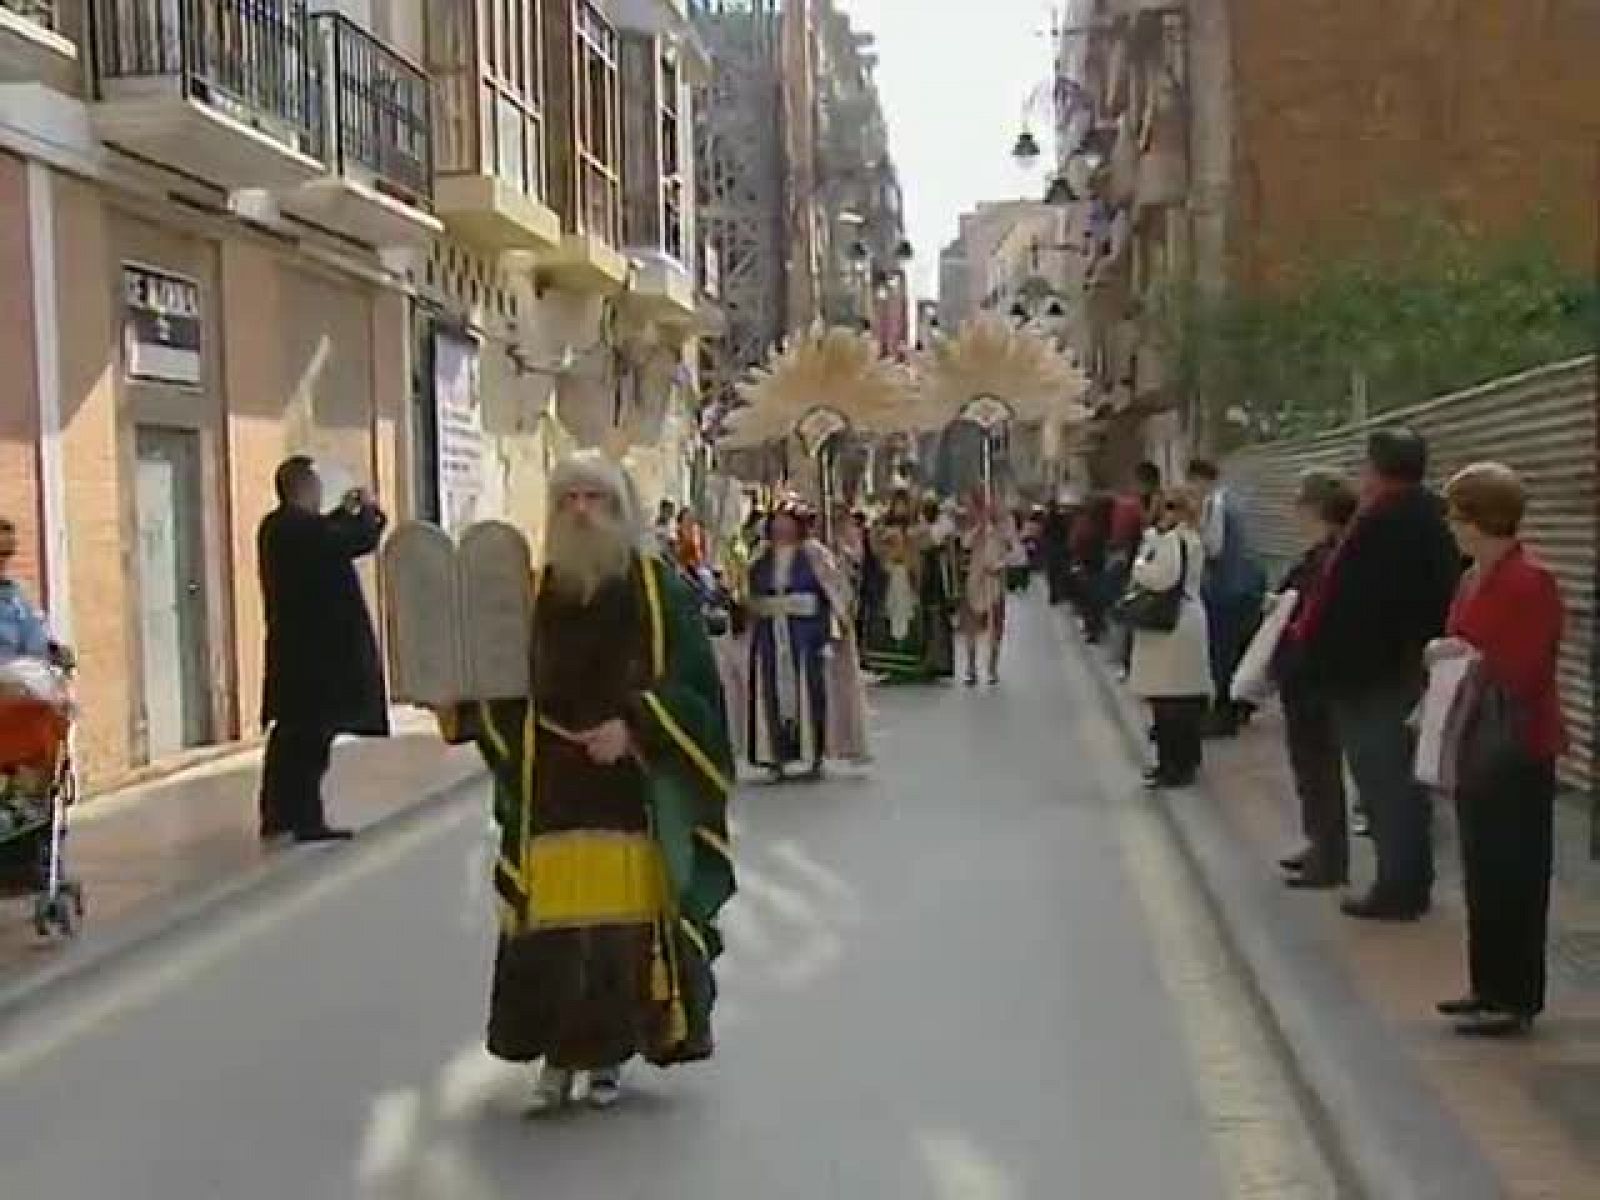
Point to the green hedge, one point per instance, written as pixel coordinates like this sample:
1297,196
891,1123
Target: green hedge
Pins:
1446,312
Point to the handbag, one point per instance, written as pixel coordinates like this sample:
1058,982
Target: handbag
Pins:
1156,612
1490,737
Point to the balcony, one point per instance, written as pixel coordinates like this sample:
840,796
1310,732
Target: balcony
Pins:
489,125
583,52
375,132
38,44
667,19
1162,179
221,89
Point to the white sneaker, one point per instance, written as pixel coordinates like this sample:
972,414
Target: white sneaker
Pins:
552,1091
605,1088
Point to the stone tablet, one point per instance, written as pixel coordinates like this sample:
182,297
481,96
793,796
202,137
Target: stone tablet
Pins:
495,568
422,591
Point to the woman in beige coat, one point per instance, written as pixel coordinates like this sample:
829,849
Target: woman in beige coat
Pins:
1172,671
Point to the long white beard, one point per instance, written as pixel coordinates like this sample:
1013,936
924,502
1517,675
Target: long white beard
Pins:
584,556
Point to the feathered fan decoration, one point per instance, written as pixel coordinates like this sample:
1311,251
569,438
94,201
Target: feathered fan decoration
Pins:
831,368
991,360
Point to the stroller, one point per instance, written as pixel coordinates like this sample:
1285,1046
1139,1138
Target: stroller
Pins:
38,783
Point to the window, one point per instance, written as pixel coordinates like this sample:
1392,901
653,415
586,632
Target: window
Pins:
489,87
673,233
596,117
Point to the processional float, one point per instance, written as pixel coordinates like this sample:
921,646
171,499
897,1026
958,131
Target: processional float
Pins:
820,385
994,375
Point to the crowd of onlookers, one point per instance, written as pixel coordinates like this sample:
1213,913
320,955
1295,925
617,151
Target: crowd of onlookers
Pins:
1414,624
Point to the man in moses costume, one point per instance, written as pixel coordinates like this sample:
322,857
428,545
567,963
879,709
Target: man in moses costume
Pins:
798,603
611,781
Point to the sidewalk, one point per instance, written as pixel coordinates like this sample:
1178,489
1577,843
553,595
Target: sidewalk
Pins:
148,854
1415,1110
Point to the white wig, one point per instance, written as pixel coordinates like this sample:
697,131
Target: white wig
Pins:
591,468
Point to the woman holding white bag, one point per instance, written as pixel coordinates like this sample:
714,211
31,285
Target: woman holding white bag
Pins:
1324,506
1508,614
1171,665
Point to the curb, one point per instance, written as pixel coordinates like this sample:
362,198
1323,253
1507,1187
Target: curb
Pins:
1386,1133
95,954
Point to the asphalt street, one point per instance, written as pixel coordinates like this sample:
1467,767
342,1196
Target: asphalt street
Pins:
978,972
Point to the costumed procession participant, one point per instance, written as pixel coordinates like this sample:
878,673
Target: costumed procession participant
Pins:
611,786
847,687
896,646
797,606
988,545
939,605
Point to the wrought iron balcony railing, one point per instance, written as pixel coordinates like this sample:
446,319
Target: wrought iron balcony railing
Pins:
372,112
248,58
46,14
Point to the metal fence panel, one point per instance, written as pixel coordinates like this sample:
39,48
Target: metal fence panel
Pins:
1542,423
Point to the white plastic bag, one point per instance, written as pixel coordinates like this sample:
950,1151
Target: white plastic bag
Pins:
1252,681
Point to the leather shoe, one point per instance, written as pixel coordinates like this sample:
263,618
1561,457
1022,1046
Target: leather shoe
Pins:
1497,1025
1295,862
325,834
1466,1006
1316,881
1374,908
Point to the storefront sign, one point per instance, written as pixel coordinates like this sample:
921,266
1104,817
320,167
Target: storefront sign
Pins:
458,406
161,326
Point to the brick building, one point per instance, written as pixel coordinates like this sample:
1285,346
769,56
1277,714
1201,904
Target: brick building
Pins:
431,245
1237,143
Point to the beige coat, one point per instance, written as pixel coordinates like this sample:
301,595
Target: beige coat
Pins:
1177,663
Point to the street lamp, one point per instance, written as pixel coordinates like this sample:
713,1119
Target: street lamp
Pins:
1059,192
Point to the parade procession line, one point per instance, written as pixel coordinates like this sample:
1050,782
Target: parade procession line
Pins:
159,856
1406,1111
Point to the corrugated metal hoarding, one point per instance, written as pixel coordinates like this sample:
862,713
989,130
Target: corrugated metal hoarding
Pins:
1542,423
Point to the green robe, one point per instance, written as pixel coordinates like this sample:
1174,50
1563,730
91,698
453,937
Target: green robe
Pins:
675,712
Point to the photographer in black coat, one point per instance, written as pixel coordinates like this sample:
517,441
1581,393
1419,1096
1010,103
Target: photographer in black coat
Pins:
1385,595
323,673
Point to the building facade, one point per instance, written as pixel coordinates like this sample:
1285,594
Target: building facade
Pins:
800,197
430,257
1246,145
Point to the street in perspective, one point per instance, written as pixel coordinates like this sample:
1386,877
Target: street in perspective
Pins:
798,598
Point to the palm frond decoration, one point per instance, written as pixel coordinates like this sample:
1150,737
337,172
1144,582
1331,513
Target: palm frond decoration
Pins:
824,367
991,358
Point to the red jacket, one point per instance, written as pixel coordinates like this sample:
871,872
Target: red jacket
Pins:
1128,521
1511,614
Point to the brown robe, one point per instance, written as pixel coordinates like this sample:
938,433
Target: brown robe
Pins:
581,997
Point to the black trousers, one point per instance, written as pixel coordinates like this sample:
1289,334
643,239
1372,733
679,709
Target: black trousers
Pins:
1318,766
297,758
1177,723
1506,825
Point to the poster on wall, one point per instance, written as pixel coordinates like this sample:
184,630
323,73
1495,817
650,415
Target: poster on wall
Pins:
458,405
161,326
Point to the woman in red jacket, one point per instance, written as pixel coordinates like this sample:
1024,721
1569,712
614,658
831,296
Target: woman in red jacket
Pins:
1508,609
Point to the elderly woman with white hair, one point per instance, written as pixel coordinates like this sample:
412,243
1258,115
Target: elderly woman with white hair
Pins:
611,784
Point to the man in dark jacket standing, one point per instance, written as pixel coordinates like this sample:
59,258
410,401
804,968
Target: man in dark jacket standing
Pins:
1384,597
323,673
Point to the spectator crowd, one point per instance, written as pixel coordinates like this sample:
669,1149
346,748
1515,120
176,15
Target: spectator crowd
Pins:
1413,648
